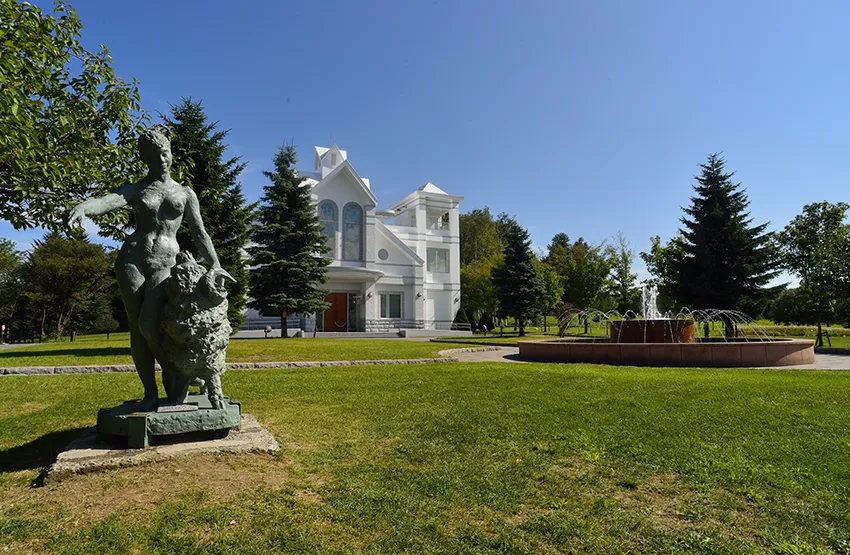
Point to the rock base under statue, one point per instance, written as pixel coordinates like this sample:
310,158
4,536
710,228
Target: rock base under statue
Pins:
190,421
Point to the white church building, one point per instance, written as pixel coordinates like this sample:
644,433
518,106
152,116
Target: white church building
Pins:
391,269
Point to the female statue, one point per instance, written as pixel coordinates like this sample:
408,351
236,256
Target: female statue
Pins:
145,260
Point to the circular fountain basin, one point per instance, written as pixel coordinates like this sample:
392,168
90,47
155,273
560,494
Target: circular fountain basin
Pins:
717,353
653,331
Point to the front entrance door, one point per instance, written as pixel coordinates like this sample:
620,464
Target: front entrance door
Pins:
336,315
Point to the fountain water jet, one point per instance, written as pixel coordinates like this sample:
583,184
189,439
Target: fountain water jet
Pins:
658,339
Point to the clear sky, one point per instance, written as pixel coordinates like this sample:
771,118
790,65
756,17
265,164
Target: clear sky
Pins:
577,117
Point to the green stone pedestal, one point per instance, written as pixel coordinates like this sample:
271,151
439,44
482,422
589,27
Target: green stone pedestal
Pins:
195,419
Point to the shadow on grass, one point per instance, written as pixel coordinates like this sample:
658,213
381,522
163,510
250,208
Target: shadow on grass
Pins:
82,352
38,453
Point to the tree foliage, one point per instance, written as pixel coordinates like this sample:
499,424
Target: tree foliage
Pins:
286,257
585,270
518,286
479,237
11,282
105,323
68,124
478,292
69,282
726,261
621,283
199,162
552,291
816,247
660,262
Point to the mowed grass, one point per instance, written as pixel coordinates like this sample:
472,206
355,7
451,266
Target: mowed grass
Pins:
117,351
456,458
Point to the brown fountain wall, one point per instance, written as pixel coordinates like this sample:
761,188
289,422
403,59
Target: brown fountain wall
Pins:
719,355
653,331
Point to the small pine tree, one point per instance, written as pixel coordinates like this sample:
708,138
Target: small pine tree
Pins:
105,323
461,322
726,262
199,162
517,284
286,258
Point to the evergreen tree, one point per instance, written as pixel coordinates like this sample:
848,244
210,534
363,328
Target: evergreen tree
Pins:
517,284
286,258
199,162
726,261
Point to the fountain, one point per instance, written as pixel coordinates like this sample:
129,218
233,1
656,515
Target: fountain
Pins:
657,339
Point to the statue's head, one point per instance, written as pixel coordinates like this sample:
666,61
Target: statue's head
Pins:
155,148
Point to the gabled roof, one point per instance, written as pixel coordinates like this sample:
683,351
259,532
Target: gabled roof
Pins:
322,151
410,253
346,167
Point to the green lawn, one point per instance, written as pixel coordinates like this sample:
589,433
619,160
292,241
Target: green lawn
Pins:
117,351
456,458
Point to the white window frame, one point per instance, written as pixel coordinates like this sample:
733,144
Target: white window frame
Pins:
381,296
428,265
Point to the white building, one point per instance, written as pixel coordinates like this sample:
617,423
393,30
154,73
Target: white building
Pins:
391,269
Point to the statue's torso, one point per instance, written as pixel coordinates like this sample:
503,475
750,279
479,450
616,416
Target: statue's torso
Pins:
158,207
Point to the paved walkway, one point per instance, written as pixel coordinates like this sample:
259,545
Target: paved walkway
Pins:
511,354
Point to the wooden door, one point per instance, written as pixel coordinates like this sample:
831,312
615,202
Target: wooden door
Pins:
336,315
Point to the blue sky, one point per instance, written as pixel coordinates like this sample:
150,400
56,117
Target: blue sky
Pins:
580,117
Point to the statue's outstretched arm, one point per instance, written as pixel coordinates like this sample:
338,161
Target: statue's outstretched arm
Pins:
118,198
199,234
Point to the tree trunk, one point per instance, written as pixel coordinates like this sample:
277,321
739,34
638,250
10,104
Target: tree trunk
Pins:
521,327
729,327
43,321
283,331
819,339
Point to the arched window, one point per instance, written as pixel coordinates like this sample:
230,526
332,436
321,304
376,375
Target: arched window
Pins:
352,232
328,216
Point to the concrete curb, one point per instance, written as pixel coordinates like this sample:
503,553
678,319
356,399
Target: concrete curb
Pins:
452,352
832,351
44,370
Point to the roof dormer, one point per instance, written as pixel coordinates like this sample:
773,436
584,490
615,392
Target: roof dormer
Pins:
329,158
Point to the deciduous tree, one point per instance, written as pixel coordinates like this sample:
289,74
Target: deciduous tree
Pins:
69,282
479,237
621,282
11,283
816,248
69,123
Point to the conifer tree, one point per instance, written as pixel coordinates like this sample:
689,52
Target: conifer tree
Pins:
199,162
286,258
726,261
517,284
